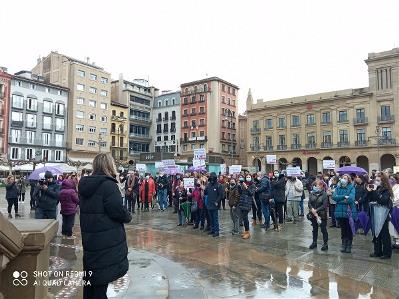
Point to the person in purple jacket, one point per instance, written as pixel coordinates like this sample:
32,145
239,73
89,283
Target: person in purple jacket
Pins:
69,202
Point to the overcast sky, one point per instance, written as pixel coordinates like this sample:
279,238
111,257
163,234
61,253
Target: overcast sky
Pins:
278,48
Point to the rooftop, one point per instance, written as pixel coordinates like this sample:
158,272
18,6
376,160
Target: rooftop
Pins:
207,80
33,78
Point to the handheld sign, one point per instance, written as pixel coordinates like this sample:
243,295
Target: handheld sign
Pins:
328,164
271,159
293,171
188,183
234,169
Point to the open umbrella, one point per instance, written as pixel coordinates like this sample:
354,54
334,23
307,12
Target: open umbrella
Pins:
351,169
39,172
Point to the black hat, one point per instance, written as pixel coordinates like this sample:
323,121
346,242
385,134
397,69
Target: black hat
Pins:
48,175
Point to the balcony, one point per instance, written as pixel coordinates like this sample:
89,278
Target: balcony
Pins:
202,125
172,130
310,124
142,119
343,144
17,124
185,127
254,130
118,118
387,141
296,146
201,112
255,147
165,118
325,122
386,119
268,128
119,145
360,121
361,143
142,136
47,127
185,114
172,118
281,147
268,148
193,113
159,131
165,130
194,139
326,145
297,125
159,119
343,120
311,145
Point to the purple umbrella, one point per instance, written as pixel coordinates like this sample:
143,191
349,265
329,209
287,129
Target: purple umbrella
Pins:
39,172
395,218
363,222
351,169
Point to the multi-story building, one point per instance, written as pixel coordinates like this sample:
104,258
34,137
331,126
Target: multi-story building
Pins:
352,127
90,100
139,96
5,81
119,131
166,122
38,117
208,119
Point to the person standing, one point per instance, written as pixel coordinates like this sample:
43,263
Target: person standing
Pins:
147,192
344,196
279,199
69,203
214,192
222,182
265,195
130,194
233,200
332,203
31,193
181,197
318,214
199,213
293,192
247,192
256,204
12,196
47,197
361,198
22,183
162,190
102,218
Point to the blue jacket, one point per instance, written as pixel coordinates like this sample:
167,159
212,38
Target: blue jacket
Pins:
341,209
214,191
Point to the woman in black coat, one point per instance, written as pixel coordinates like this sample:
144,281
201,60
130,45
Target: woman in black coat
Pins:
12,194
102,216
278,194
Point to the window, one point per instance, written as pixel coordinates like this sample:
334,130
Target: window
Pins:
343,136
103,144
47,121
92,103
103,119
79,128
92,129
326,117
269,142
104,106
361,135
29,154
295,139
193,124
281,139
173,137
202,110
165,138
16,136
327,137
228,89
46,154
159,138
91,143
192,146
104,80
385,112
202,122
92,90
255,124
58,155
384,78
193,134
46,137
80,101
80,114
92,116
342,116
360,114
59,124
223,100
79,141
59,139
59,109
185,124
166,103
185,147
47,107
223,87
104,93
103,131
81,73
30,137
193,99
15,153
80,87
269,123
192,110
17,101
295,121
31,104
386,133
281,122
16,116
311,137
202,98
310,119
173,101
31,121
93,77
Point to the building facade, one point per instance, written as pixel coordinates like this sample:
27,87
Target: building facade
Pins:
38,118
352,127
5,82
208,119
139,96
166,123
119,131
89,110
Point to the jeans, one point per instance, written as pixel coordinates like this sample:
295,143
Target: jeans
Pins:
162,198
292,210
45,214
301,206
266,213
214,215
67,224
181,217
12,202
235,217
244,216
256,209
332,213
22,197
200,218
346,231
323,228
95,292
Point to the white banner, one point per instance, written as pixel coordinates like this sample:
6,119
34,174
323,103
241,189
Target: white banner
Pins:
188,182
329,164
271,159
141,167
294,171
199,154
223,168
168,163
234,169
198,163
158,165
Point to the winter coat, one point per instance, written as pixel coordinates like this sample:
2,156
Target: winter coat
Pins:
264,190
12,191
102,216
361,197
22,186
233,196
180,197
295,188
68,198
319,201
278,190
382,197
162,182
151,190
246,197
197,196
214,191
47,200
341,209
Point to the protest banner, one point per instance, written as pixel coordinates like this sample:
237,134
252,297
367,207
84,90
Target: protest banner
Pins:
234,169
329,164
188,183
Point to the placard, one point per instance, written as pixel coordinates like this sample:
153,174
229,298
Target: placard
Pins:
223,168
159,165
293,171
188,183
168,163
199,154
234,169
198,163
328,164
141,167
271,159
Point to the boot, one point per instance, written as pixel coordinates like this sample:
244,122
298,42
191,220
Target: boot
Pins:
9,215
324,247
313,245
344,244
348,246
246,235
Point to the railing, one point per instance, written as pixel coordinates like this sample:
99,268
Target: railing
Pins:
310,124
165,118
159,131
172,130
326,122
159,119
281,147
343,120
387,141
361,143
268,148
255,147
47,128
310,145
202,125
145,119
254,130
172,118
343,144
268,128
139,135
295,125
386,119
360,121
326,145
165,130
201,112
296,146
185,114
119,118
193,139
119,145
193,113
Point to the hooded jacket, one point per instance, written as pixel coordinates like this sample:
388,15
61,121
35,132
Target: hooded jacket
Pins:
11,191
68,198
214,191
341,209
47,200
102,216
278,189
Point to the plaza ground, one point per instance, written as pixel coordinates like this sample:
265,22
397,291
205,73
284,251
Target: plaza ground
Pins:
167,261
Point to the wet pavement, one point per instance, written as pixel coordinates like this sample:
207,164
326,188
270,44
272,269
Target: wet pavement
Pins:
167,261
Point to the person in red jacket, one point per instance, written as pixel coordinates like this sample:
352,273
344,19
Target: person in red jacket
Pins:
69,202
147,191
197,196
